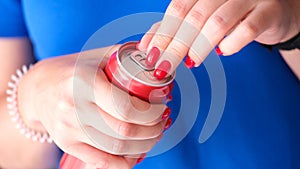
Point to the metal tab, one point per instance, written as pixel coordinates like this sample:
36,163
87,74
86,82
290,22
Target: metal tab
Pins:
139,57
133,64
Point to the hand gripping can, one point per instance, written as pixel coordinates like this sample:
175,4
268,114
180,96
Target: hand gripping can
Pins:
127,69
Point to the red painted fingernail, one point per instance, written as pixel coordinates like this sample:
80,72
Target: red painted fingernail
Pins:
141,159
170,97
168,124
137,44
171,85
162,70
218,51
152,57
189,63
166,114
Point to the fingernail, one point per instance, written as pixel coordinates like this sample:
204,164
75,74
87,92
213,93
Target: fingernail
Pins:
189,63
169,98
171,85
137,44
162,70
218,51
168,124
152,56
166,114
141,159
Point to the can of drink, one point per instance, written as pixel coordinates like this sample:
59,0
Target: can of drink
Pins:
127,69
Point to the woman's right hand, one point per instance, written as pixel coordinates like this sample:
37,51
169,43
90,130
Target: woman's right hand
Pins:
86,116
193,28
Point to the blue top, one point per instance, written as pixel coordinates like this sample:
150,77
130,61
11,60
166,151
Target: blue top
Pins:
260,95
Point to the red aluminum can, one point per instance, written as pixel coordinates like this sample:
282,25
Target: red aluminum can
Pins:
127,70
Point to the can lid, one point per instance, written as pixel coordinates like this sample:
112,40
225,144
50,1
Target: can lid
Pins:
133,63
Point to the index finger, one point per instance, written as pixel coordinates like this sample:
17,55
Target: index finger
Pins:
173,17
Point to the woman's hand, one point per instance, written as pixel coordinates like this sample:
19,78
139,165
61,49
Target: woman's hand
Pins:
86,116
195,27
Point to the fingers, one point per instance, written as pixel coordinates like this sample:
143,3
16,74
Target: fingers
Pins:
144,43
118,123
115,136
175,13
99,159
193,22
216,27
196,27
95,117
117,146
123,106
249,29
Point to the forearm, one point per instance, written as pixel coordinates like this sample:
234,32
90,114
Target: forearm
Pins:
14,52
16,150
19,152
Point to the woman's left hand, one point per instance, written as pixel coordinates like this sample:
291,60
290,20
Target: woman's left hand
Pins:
195,27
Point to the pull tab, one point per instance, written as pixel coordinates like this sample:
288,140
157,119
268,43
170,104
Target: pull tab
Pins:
139,58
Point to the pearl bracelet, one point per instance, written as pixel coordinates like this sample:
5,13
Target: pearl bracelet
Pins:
14,111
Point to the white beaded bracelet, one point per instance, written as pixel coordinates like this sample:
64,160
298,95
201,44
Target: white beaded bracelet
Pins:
14,111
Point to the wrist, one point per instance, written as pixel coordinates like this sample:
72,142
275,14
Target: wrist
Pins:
24,117
26,102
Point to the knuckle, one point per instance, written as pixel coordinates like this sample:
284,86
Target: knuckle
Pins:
196,16
218,21
177,7
103,163
65,110
250,30
118,147
158,129
177,49
126,129
161,39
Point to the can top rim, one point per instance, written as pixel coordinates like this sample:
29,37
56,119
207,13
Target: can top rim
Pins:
132,46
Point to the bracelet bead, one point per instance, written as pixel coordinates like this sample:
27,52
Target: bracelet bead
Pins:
14,113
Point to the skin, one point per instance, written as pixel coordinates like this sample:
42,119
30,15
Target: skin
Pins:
293,60
14,154
199,26
49,105
130,127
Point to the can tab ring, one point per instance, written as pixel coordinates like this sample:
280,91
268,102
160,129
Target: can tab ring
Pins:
139,58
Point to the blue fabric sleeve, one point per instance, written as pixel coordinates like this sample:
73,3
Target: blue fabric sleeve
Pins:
11,19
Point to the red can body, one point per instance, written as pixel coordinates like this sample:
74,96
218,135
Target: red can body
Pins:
127,70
